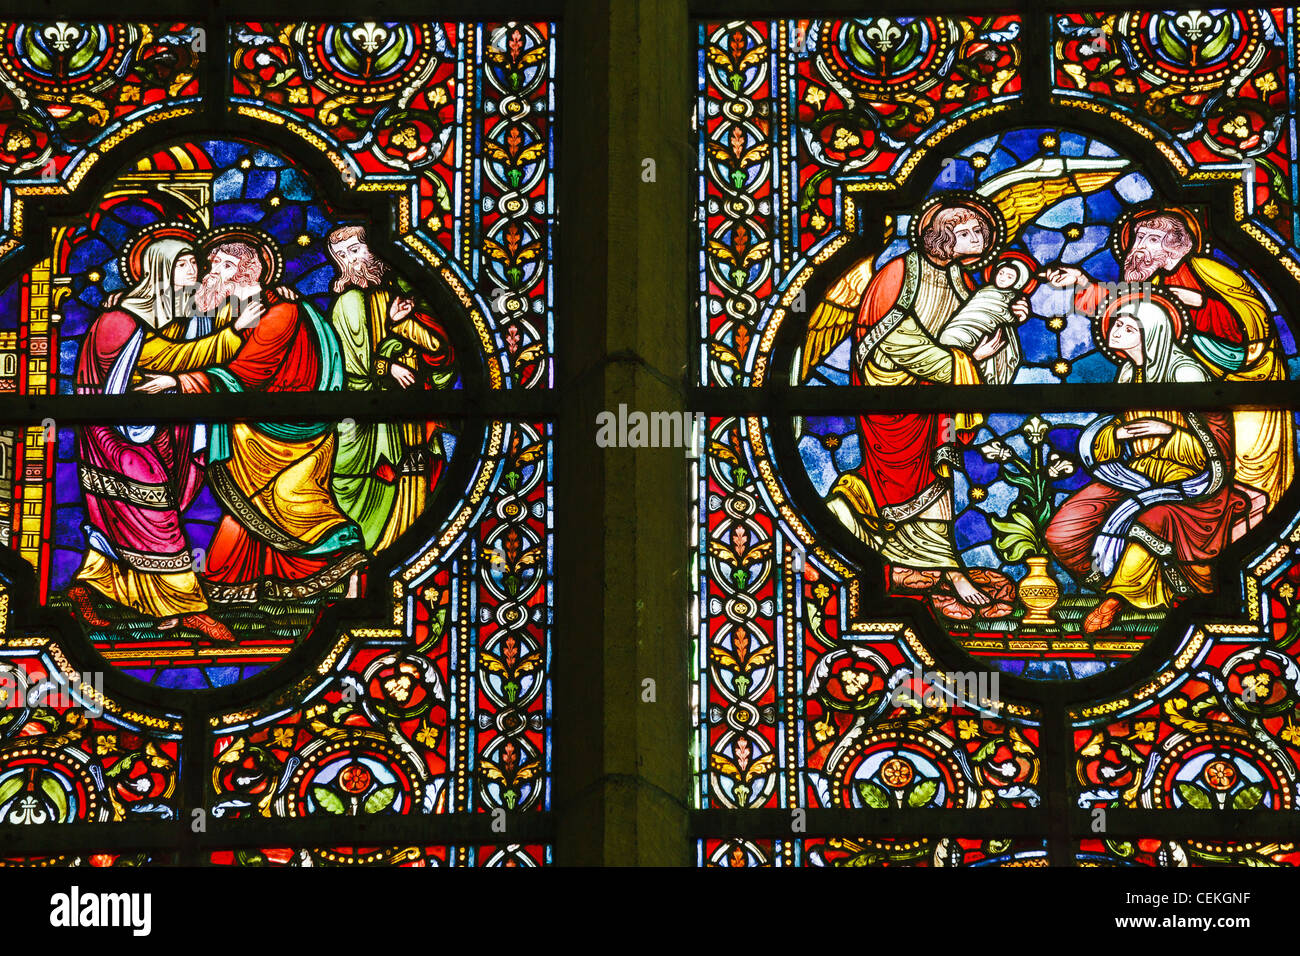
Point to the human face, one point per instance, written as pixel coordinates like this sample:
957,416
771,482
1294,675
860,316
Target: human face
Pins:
185,272
1126,337
1005,277
351,252
224,265
1150,241
967,239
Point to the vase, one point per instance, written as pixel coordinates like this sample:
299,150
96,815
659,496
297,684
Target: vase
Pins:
1039,593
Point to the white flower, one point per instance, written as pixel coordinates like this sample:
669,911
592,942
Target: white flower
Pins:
1036,429
995,450
1058,466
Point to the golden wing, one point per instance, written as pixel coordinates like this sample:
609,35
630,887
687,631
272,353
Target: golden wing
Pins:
834,316
1025,191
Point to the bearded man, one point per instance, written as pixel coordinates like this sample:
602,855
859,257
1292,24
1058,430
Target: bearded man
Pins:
1231,336
901,499
384,471
283,535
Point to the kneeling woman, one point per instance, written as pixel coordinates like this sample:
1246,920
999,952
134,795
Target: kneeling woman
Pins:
1161,504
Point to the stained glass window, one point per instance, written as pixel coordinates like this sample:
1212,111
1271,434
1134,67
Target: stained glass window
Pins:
275,493
995,527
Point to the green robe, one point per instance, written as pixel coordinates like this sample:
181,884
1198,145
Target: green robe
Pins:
364,447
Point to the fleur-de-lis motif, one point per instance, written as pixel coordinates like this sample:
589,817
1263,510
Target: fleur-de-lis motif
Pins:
1194,23
62,35
883,34
29,811
1036,429
370,35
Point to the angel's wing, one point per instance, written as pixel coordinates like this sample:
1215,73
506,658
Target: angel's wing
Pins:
1025,191
834,316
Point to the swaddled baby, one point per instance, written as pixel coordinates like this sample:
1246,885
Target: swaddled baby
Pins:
987,310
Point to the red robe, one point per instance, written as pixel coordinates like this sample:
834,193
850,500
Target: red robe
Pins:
1198,530
280,354
898,449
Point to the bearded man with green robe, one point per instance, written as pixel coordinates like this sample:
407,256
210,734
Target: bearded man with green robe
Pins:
384,471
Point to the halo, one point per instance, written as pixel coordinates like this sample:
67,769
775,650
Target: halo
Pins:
950,198
1023,261
1142,292
261,242
1129,220
130,264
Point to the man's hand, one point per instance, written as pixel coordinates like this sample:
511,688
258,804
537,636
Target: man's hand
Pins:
1064,277
1189,297
405,377
1020,309
1144,428
154,384
113,299
989,346
400,308
284,292
250,314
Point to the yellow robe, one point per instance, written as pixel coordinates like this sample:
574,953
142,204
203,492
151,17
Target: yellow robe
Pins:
1264,452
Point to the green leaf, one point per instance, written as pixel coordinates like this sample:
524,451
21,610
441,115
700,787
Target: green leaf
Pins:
986,751
922,793
1020,481
378,801
873,796
57,797
1248,798
327,799
1194,796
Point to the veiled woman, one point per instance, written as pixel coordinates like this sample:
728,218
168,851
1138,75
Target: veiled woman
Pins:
139,479
1162,502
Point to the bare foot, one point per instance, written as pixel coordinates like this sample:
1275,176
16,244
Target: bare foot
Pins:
967,591
354,585
167,623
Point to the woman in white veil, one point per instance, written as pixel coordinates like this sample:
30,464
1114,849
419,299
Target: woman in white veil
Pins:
1161,503
138,479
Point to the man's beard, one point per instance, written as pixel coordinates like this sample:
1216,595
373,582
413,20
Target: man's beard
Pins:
1140,265
364,274
214,291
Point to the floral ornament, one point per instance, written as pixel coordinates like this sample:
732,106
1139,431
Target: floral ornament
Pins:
1220,784
354,791
1008,765
742,769
1111,763
512,774
142,775
743,659
996,450
1036,430
897,784
1260,683
1022,532
1058,466
248,773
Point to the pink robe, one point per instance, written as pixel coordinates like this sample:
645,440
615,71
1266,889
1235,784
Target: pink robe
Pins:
135,493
